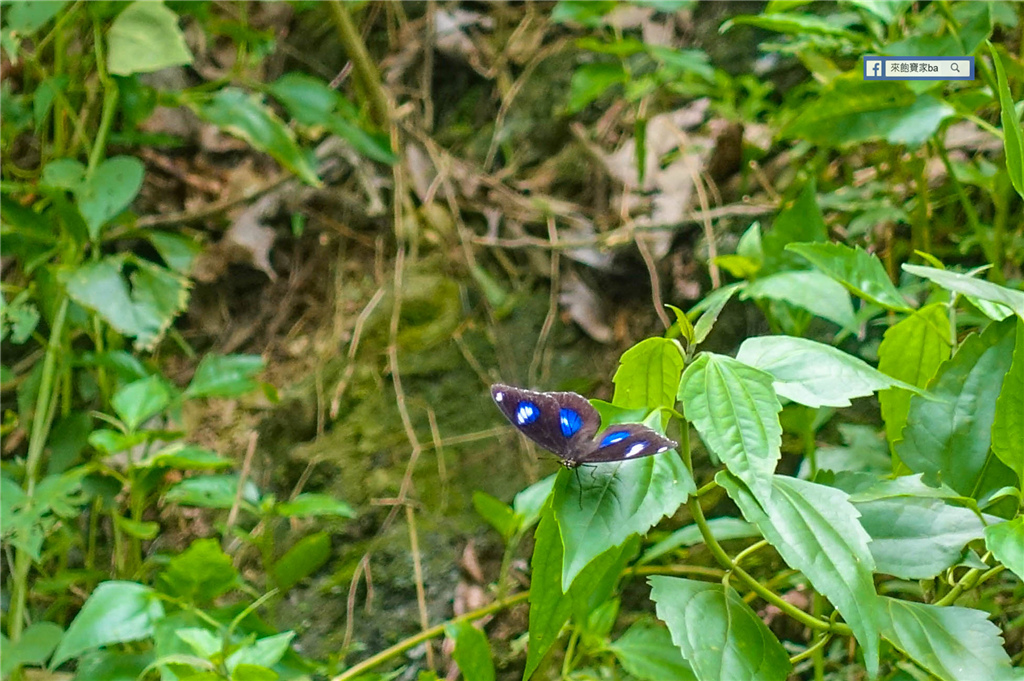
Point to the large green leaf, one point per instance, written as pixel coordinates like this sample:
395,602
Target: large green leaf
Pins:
647,652
248,118
851,111
648,375
816,530
212,491
971,286
1013,138
590,81
948,433
796,24
812,373
736,411
314,505
953,643
143,310
1006,542
912,352
721,637
917,538
550,607
472,652
813,291
860,272
601,506
800,222
144,38
1008,426
116,612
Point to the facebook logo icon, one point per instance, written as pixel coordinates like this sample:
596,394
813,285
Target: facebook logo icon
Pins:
874,69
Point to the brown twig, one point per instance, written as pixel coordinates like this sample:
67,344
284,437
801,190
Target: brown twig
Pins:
242,477
549,318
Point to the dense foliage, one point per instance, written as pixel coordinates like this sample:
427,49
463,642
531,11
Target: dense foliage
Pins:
847,499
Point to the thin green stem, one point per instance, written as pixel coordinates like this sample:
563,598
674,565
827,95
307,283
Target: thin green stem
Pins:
426,635
364,66
110,97
971,579
815,649
750,550
41,422
570,653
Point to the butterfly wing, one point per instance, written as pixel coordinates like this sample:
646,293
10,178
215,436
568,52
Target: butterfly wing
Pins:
562,422
625,441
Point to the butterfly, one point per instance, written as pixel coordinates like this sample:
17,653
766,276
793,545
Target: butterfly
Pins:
566,424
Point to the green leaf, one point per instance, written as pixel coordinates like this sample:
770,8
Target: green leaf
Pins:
815,530
145,38
472,652
1013,139
602,506
590,81
200,573
1006,542
29,16
683,324
917,538
721,637
812,373
112,665
137,402
497,513
202,641
45,93
33,648
812,291
736,411
911,351
529,503
224,376
311,505
714,302
586,12
858,271
1008,425
648,375
970,286
953,643
116,612
249,119
800,222
304,558
265,652
646,651
144,311
185,457
796,24
550,608
177,251
948,434
140,529
722,529
211,491
109,190
312,102
851,110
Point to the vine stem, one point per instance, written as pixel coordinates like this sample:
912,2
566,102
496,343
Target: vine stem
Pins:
426,635
725,561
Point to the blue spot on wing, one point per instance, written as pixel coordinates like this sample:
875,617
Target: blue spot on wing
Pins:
612,438
526,412
570,421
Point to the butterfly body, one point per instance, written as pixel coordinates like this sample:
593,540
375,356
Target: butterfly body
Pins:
566,424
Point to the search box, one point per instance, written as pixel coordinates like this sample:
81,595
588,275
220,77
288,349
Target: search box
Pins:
918,68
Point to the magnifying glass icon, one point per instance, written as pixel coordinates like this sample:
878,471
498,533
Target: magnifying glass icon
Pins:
955,66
